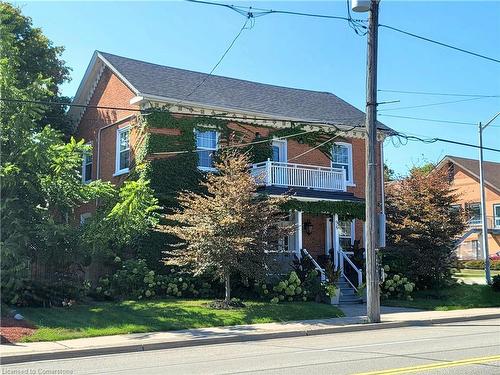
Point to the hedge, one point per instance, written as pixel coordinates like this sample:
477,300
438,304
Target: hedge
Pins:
479,264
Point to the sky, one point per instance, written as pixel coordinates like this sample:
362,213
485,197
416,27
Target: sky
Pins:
311,53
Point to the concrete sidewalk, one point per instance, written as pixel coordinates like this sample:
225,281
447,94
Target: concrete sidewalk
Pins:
354,321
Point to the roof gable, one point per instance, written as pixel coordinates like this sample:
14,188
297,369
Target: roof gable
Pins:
491,169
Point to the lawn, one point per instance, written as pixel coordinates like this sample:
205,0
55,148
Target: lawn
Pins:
112,318
456,297
473,275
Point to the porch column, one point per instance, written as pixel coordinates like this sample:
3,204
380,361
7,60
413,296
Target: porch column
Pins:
336,241
298,233
328,235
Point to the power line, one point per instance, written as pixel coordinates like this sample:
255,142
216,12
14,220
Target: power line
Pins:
218,62
434,120
440,94
432,104
257,12
408,137
439,43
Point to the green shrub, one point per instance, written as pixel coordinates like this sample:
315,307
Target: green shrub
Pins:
396,285
479,264
496,283
134,279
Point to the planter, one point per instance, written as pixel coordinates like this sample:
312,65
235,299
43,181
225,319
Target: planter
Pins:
335,299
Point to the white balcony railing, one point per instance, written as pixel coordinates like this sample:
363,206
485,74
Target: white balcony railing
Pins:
272,173
478,221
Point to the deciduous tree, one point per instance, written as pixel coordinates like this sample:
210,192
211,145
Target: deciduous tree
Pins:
422,226
230,230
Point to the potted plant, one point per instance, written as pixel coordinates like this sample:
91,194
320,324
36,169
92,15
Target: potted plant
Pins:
333,293
331,289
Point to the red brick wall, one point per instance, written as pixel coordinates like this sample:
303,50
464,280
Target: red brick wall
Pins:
110,92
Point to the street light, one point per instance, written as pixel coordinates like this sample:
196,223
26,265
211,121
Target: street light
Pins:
484,223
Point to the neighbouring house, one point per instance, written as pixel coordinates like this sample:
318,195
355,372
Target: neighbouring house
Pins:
463,174
327,185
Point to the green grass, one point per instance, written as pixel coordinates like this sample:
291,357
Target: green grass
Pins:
456,297
112,318
468,273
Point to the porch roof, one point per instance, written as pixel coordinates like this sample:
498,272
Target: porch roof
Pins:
310,194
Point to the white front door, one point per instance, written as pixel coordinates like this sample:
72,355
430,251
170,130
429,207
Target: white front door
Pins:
280,156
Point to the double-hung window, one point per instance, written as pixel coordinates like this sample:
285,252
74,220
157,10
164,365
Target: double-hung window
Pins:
87,166
496,215
206,147
474,211
342,158
346,234
122,151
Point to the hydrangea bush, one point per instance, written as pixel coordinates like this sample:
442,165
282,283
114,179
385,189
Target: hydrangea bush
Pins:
396,285
291,288
134,279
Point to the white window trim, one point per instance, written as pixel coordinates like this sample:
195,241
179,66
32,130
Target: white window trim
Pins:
91,154
284,150
208,169
353,235
495,218
350,178
119,171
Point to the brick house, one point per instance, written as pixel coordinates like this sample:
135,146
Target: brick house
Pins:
463,174
116,89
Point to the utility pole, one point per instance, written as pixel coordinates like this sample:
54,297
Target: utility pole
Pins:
372,279
484,222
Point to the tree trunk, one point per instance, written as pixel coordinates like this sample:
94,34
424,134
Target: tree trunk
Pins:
227,280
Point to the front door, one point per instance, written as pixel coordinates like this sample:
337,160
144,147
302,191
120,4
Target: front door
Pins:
280,157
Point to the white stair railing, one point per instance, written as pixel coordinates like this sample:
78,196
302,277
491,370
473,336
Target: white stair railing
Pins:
316,265
344,258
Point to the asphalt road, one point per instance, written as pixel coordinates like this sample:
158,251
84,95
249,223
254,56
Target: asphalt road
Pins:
457,348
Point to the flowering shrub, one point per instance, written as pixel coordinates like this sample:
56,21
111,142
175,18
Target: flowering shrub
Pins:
396,286
135,279
291,288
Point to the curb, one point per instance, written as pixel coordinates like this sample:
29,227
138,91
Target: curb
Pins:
76,353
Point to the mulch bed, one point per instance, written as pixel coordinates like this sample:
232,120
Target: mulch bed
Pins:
12,330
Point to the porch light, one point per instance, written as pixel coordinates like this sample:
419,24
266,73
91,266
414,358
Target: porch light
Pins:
308,227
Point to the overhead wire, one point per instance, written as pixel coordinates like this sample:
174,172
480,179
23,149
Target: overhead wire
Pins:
207,76
435,120
439,93
431,104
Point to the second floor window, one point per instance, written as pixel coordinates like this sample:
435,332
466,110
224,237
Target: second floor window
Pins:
206,146
342,158
474,213
87,167
496,215
122,150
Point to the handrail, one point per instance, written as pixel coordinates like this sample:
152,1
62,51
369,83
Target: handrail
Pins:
358,271
316,265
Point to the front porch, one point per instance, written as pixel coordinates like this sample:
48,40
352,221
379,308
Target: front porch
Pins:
322,237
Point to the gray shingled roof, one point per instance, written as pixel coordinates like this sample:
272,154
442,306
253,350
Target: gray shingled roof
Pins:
236,94
491,169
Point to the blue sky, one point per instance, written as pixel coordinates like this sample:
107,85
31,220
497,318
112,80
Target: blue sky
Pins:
317,54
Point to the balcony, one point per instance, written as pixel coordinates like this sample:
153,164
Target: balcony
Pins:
271,173
476,222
